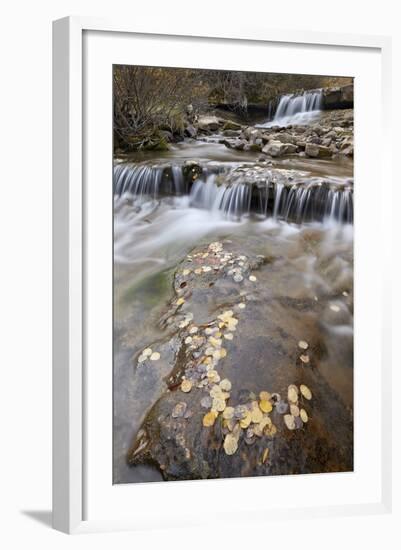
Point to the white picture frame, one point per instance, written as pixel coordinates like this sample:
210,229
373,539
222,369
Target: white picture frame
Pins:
69,258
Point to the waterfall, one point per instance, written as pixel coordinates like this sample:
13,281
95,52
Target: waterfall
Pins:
137,180
225,189
148,180
296,109
277,199
177,179
313,201
233,200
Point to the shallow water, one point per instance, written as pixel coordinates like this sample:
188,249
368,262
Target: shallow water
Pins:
211,150
312,261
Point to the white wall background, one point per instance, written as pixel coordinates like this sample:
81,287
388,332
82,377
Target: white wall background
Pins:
25,217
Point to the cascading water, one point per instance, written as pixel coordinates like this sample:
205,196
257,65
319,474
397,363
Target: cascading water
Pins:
296,109
233,200
137,180
227,192
148,180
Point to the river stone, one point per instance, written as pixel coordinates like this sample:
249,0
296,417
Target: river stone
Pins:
251,133
349,151
317,151
208,123
284,137
231,125
184,449
230,133
191,131
278,149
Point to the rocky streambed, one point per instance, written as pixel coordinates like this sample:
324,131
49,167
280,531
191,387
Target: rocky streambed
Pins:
234,302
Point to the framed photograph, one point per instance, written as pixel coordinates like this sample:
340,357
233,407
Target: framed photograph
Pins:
220,327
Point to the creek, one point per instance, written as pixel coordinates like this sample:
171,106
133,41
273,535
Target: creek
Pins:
296,211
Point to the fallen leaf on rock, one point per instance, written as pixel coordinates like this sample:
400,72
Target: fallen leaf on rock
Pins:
305,391
289,421
303,345
270,430
216,391
186,386
225,384
304,415
219,353
292,394
179,410
216,342
218,404
264,395
230,444
209,419
256,415
244,422
265,406
232,324
228,413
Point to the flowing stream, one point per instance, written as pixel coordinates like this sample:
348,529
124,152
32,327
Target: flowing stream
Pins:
298,213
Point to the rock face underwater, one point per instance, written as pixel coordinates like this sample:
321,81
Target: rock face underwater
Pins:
238,378
250,372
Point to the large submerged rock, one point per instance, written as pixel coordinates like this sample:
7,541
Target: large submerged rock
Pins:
242,398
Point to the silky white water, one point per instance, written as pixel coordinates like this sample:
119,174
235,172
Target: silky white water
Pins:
297,109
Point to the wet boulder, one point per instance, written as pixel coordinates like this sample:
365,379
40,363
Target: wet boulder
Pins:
278,149
317,151
338,97
208,123
251,133
231,125
191,131
230,133
240,400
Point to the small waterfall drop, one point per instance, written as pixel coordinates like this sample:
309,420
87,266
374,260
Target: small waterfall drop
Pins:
148,180
137,180
306,202
296,109
232,200
227,191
